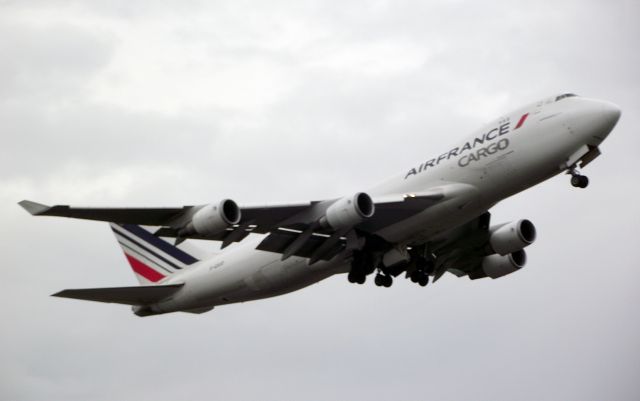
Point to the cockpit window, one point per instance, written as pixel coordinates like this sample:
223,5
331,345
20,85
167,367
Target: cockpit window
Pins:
565,95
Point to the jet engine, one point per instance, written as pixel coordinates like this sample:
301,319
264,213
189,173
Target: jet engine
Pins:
496,265
348,211
212,219
512,237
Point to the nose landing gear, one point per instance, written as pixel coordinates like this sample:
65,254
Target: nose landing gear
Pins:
578,180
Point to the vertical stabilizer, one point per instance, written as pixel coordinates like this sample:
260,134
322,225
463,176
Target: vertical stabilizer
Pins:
150,257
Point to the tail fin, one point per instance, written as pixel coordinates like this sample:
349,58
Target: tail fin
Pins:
150,257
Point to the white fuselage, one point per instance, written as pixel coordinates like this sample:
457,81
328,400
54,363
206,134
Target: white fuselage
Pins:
507,156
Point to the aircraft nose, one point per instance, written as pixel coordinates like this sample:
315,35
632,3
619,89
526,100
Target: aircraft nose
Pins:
595,119
611,114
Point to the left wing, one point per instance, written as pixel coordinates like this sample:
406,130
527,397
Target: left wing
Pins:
262,216
262,219
479,250
302,229
140,216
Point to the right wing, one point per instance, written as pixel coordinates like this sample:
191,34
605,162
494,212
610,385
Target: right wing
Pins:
461,249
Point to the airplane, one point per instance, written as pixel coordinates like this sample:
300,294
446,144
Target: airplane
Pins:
430,219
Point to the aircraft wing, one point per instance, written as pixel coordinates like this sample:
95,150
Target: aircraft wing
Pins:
258,219
284,223
461,250
141,216
265,216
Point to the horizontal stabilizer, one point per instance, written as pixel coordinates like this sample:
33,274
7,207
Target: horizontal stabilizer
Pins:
144,295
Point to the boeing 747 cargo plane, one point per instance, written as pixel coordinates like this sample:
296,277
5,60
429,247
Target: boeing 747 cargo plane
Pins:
430,219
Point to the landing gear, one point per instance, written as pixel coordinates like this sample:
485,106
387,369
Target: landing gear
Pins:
424,266
359,268
364,264
415,276
419,267
383,280
357,277
420,276
578,180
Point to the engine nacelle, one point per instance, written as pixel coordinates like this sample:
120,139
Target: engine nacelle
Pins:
212,219
512,237
348,211
496,265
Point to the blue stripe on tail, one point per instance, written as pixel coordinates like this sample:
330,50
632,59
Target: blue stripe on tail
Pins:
147,248
148,237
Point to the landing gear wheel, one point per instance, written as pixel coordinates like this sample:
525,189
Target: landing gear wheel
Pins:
429,267
425,265
383,280
356,278
415,276
579,181
358,272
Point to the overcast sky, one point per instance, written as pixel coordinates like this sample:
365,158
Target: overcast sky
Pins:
170,103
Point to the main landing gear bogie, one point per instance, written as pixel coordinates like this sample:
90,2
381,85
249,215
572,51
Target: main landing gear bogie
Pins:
421,274
360,268
383,280
420,277
364,264
357,277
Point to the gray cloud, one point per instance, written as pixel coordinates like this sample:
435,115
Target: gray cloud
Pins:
49,62
141,103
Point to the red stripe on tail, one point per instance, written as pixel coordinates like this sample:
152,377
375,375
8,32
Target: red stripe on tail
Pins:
522,120
144,270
